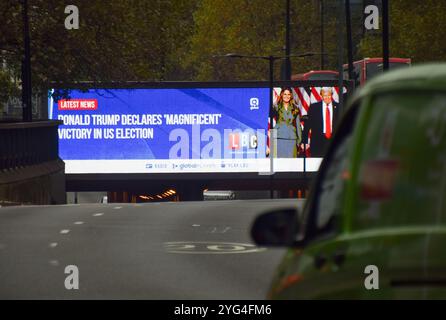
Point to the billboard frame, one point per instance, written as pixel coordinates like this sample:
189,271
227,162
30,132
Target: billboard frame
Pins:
234,181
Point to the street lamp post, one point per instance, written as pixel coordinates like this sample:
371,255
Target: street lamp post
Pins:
349,38
385,34
271,136
321,7
26,67
271,60
287,43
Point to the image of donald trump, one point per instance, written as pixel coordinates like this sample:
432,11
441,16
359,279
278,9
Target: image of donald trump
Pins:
318,128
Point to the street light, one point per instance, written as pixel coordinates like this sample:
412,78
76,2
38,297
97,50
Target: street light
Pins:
385,34
271,60
26,67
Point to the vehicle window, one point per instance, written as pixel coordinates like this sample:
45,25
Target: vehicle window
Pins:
357,73
323,76
331,185
402,174
334,172
376,68
345,73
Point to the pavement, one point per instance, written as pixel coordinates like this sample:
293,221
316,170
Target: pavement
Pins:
177,250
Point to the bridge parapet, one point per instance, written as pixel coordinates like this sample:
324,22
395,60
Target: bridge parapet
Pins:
31,171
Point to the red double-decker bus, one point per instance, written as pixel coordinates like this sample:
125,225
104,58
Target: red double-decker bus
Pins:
363,70
316,75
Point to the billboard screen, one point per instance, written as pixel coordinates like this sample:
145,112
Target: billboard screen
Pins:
304,119
181,130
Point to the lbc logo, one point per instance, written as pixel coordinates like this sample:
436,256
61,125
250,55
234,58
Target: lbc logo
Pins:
242,140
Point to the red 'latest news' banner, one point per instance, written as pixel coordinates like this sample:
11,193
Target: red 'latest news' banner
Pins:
78,104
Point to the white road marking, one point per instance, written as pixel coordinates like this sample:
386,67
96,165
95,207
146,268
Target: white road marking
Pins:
79,222
195,225
54,263
200,247
98,214
216,230
53,244
116,208
64,231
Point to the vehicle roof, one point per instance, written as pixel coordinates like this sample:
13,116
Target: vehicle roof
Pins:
300,76
381,60
372,60
427,77
322,71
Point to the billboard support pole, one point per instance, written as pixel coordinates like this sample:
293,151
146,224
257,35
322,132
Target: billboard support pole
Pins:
340,28
271,135
385,35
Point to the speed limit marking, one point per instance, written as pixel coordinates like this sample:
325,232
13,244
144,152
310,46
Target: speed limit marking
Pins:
202,247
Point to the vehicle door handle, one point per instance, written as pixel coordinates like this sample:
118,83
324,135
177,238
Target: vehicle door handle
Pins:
339,258
320,261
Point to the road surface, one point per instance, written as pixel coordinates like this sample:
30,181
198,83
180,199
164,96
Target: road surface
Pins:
188,250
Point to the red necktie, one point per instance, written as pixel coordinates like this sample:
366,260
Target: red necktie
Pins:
327,123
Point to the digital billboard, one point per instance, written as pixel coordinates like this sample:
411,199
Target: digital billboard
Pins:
181,130
304,119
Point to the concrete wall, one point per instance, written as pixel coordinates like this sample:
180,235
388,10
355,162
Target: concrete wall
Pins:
85,197
39,184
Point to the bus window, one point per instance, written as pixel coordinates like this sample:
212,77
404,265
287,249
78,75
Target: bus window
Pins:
375,68
323,76
316,75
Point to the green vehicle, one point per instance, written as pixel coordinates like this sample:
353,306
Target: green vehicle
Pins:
374,225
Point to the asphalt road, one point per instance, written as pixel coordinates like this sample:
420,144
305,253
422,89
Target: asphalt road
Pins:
190,250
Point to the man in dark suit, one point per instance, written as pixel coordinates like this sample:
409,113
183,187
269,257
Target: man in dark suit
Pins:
320,120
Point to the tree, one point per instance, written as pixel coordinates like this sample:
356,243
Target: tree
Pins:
253,28
416,31
127,40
